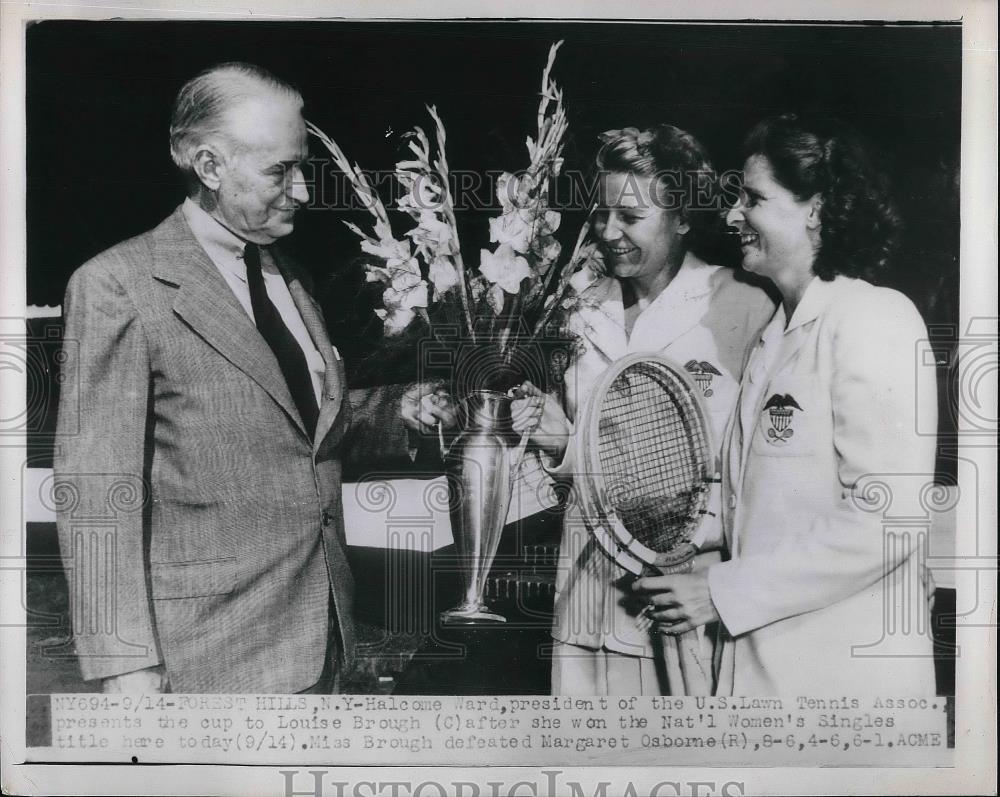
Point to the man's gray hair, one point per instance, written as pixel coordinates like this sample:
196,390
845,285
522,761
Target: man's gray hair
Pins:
203,101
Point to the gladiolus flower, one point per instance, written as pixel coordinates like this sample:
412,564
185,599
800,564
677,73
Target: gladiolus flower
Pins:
514,191
390,250
443,276
396,321
407,288
423,194
495,299
432,233
511,229
546,252
504,267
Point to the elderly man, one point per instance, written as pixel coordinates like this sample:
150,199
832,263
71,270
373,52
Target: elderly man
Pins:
206,415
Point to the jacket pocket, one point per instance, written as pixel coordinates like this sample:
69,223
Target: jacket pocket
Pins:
174,580
794,421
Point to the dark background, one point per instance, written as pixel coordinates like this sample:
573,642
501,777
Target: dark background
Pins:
99,96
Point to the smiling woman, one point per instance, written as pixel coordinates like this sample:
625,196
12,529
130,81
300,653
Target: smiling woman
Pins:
812,204
831,405
643,241
771,246
658,196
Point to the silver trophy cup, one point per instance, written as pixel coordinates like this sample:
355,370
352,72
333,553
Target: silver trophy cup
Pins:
480,464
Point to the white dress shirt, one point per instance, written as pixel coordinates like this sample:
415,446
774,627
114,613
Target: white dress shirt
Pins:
225,249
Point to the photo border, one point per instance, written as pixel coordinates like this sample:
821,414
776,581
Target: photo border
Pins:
975,731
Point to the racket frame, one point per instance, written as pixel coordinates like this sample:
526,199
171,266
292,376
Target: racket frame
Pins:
602,520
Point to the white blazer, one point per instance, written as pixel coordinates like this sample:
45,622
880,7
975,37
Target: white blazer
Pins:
821,459
704,320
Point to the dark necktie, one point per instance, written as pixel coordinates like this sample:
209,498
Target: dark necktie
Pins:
291,358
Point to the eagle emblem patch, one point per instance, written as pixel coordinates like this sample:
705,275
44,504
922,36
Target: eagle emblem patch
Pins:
781,409
703,373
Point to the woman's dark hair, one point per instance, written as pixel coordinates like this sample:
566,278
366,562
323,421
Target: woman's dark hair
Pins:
860,227
686,181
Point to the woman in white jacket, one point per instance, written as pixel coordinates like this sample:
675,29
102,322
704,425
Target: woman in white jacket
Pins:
658,204
824,459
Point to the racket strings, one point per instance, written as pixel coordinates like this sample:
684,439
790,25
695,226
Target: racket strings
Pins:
653,450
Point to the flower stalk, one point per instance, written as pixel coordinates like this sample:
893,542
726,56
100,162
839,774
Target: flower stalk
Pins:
448,208
519,282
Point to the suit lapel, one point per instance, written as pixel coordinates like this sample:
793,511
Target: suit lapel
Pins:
680,306
732,449
599,313
205,302
760,375
334,378
675,311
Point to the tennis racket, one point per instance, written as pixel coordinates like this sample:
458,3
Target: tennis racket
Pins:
648,474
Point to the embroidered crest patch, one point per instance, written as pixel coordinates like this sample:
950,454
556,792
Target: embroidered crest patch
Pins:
781,410
703,373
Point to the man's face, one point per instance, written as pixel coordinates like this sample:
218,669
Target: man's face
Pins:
261,181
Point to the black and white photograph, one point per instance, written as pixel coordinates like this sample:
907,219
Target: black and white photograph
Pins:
562,392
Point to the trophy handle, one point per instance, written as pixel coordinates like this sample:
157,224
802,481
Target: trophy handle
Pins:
519,451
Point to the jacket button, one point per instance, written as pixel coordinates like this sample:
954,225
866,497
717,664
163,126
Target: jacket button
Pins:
327,517
732,502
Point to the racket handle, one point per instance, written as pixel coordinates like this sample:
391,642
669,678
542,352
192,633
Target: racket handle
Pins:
688,673
695,669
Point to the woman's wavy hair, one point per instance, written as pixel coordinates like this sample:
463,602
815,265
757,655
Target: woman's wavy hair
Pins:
860,228
686,180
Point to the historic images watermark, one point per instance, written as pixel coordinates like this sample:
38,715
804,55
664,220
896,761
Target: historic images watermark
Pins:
320,783
482,190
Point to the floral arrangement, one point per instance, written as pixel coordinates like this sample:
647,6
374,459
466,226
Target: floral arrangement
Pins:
514,295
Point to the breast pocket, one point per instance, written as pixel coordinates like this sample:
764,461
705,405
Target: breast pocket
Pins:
794,420
716,390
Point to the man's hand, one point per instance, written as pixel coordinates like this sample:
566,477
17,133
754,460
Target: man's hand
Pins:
152,680
425,404
541,416
678,602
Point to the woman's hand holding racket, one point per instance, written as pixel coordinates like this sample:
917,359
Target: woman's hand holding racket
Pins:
679,602
648,588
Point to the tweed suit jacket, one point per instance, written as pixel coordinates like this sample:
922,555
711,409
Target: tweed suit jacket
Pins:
200,527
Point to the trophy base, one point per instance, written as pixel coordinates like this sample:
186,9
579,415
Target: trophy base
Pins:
475,615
